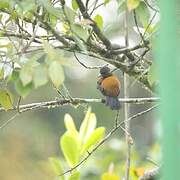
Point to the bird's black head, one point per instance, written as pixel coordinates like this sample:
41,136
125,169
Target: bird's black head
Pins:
105,71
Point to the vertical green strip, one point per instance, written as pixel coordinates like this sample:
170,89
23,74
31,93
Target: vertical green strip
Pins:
167,55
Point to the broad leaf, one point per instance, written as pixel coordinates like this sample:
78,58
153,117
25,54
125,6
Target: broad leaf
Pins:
56,165
106,1
80,31
99,21
70,14
94,138
74,176
79,43
40,76
57,12
70,148
87,126
51,54
56,55
74,5
132,4
143,14
110,176
23,90
121,6
4,4
26,75
139,171
70,126
56,73
6,99
26,6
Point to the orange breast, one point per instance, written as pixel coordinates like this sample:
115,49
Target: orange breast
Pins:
111,86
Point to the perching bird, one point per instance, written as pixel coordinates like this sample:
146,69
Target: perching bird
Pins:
109,85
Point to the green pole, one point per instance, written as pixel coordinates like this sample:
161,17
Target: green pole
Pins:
167,56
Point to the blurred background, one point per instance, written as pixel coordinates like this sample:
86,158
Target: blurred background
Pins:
33,137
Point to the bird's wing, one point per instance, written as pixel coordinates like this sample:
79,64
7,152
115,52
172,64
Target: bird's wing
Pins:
100,87
111,86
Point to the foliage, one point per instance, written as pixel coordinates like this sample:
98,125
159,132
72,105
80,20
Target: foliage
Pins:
38,41
75,145
30,60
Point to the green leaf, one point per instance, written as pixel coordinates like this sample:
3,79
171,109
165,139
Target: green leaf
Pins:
27,6
74,176
79,43
23,90
80,31
132,4
56,165
26,75
94,138
106,1
4,4
87,126
143,13
121,6
70,148
56,73
109,176
70,126
55,11
70,14
99,21
6,99
74,5
56,55
50,51
40,76
152,29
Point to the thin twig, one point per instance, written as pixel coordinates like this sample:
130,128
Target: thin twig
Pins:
150,22
149,5
18,104
152,161
136,23
87,67
117,118
8,121
87,2
96,29
74,101
94,6
59,92
67,92
61,102
32,38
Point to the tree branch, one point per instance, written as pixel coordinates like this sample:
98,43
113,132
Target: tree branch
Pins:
96,29
109,54
76,101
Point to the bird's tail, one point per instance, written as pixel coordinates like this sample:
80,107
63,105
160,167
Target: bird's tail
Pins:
113,103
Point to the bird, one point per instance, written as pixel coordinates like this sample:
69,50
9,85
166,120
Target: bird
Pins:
109,85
